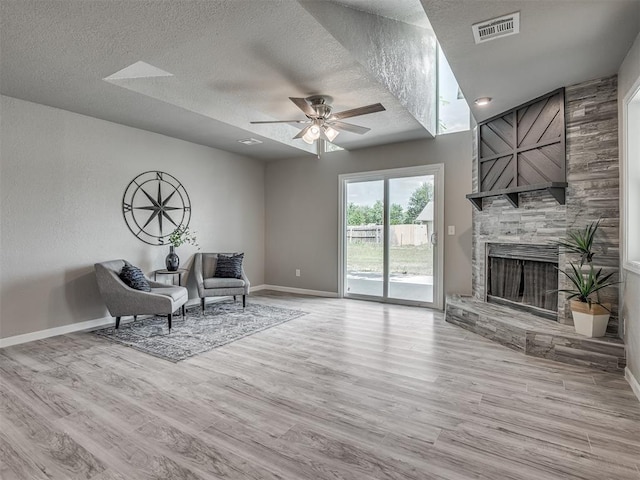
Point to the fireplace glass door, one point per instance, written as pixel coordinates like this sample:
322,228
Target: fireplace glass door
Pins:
524,276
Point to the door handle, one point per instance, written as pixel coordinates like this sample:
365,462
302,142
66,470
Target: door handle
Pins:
434,238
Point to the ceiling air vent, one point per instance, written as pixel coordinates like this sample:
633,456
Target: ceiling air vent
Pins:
496,28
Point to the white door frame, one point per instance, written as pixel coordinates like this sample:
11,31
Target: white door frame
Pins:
437,170
630,146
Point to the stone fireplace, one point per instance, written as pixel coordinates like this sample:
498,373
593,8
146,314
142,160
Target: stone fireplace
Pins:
515,261
540,220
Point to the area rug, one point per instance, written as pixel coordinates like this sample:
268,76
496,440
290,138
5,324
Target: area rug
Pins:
221,323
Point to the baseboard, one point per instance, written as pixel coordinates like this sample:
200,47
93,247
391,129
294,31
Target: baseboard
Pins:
53,332
633,381
300,291
106,321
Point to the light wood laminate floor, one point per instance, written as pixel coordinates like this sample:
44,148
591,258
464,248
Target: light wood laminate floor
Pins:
353,390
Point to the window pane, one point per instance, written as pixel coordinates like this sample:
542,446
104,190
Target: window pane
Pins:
453,111
365,238
632,183
411,218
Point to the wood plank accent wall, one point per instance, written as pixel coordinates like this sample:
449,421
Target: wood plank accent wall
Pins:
524,146
593,192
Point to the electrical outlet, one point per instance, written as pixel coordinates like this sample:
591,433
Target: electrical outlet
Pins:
451,230
297,272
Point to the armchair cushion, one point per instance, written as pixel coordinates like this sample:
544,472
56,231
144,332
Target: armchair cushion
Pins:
134,278
223,282
175,293
229,267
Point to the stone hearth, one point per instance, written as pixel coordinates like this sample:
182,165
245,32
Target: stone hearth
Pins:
535,336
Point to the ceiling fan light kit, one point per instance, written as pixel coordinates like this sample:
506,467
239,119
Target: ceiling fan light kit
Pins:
323,124
330,132
312,134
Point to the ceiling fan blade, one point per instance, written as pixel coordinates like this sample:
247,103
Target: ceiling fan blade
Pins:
302,132
355,112
348,127
303,105
281,121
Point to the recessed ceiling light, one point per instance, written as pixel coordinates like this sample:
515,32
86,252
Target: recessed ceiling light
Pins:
250,141
482,101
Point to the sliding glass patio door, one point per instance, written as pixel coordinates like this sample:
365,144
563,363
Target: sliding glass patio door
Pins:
389,225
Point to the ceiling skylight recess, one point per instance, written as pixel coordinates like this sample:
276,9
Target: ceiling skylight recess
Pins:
139,69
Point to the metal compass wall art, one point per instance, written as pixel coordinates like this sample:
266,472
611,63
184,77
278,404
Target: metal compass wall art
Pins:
154,204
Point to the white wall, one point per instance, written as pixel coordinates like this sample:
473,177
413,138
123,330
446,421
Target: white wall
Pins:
62,178
630,302
302,209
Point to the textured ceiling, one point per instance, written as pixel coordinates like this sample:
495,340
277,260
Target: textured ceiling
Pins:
233,61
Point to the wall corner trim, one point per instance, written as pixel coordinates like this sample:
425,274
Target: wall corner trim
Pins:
54,332
300,291
633,381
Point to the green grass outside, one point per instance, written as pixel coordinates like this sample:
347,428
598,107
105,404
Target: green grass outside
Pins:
367,257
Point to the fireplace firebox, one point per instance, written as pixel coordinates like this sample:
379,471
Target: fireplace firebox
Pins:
524,277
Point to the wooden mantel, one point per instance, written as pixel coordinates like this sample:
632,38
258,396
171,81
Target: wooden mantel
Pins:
556,189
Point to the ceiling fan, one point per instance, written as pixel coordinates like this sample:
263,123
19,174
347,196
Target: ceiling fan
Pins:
321,123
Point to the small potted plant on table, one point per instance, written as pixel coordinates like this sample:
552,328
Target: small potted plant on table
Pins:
590,316
178,237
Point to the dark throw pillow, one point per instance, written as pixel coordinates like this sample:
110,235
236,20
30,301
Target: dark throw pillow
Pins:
134,278
229,267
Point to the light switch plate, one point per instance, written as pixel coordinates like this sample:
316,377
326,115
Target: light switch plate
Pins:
451,229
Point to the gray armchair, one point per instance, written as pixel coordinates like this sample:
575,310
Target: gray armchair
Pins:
204,267
122,300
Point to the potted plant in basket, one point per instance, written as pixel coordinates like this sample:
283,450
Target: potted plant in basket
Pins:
179,236
590,316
